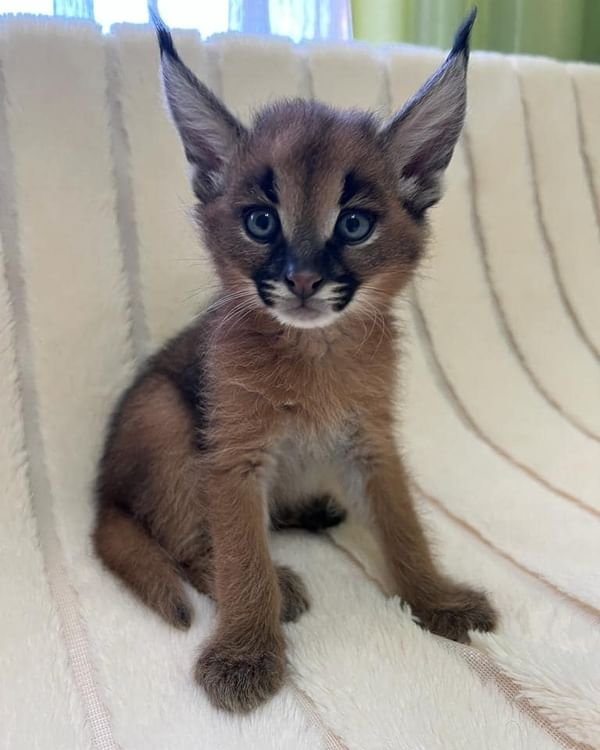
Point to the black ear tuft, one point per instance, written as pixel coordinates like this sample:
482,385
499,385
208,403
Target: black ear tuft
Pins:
165,40
463,35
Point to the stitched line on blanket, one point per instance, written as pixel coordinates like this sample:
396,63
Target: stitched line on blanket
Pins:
583,148
440,374
484,663
125,204
547,239
584,606
332,740
72,625
498,305
478,661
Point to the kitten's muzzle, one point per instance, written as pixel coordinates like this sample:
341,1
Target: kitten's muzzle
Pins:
303,283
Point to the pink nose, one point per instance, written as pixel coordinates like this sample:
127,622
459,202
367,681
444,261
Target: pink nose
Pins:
303,283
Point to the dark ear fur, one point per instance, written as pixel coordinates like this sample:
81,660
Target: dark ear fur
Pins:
209,132
421,137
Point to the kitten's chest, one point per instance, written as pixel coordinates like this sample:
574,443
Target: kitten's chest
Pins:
308,464
306,385
323,394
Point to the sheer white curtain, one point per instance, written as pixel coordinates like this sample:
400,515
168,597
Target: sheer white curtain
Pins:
297,19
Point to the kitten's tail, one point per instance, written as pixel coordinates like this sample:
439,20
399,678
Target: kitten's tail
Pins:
126,548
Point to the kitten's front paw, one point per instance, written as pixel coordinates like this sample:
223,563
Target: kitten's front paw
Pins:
457,611
239,681
294,596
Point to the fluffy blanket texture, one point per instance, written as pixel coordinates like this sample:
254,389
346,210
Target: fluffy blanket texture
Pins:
500,407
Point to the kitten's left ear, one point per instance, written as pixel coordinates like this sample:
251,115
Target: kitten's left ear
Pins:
208,130
421,137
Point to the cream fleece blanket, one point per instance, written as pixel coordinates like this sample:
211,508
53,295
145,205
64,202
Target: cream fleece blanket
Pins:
500,423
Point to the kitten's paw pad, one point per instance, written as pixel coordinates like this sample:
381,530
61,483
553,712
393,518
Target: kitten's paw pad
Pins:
239,682
294,596
462,609
315,514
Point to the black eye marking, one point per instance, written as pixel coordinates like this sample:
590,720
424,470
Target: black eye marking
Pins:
270,271
335,269
354,226
350,189
355,186
261,224
268,185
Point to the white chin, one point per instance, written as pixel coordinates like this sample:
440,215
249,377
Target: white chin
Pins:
305,317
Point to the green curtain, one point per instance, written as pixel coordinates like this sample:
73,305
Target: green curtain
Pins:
565,29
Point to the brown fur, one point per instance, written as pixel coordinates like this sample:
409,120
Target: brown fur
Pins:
195,444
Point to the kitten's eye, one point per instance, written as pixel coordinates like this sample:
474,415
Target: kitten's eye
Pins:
354,226
262,224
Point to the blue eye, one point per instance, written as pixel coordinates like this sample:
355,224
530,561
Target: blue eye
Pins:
262,224
354,226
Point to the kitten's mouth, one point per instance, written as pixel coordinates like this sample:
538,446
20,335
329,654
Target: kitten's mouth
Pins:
304,311
308,313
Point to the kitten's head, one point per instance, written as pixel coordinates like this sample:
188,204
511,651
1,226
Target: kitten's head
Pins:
312,212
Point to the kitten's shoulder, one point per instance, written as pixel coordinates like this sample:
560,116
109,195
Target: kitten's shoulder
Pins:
183,360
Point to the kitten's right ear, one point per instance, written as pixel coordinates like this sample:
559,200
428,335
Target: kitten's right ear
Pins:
208,130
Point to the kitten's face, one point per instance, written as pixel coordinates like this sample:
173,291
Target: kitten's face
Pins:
313,213
310,217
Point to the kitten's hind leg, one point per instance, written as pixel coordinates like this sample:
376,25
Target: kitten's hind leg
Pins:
313,514
199,573
294,597
126,548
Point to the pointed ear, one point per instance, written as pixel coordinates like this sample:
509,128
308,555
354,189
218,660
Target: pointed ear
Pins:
421,137
208,130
